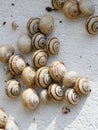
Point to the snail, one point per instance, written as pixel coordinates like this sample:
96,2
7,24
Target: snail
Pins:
55,92
6,51
16,64
39,41
14,25
12,88
58,4
44,96
92,25
30,99
33,25
86,7
24,44
9,75
53,46
57,70
28,76
39,58
82,86
46,24
43,78
71,96
71,9
3,118
69,79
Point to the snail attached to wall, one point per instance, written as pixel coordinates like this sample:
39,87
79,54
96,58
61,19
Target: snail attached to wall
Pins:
58,4
3,118
44,96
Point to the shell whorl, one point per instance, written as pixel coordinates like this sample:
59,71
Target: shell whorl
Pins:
58,4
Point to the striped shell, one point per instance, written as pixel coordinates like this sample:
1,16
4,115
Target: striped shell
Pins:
39,41
44,96
53,46
57,70
39,58
71,96
58,4
82,86
33,25
3,118
43,78
92,25
16,64
12,88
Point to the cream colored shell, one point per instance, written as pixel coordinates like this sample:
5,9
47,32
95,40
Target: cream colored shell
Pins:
44,96
58,4
3,118
9,75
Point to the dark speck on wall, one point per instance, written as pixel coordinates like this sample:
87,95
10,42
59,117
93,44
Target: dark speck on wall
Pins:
60,21
12,4
4,22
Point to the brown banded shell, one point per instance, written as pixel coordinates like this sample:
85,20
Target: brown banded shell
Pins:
53,46
55,92
3,118
82,86
39,41
57,70
92,25
43,78
44,96
39,58
71,96
16,64
58,4
33,25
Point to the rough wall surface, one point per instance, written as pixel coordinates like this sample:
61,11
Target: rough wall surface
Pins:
79,52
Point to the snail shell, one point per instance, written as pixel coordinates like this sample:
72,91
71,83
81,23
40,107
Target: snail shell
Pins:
12,88
92,25
43,78
38,41
58,4
30,99
71,96
82,86
53,46
28,76
55,92
57,70
16,64
71,9
44,96
33,25
39,58
9,75
3,118
87,7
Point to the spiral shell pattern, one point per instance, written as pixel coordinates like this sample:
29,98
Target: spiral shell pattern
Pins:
3,118
58,4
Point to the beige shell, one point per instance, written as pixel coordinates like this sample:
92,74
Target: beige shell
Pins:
16,64
39,58
71,9
46,24
58,4
82,86
33,25
44,96
30,99
57,70
53,46
39,41
71,96
9,75
43,78
14,25
3,118
28,76
55,92
86,7
92,25
69,79
6,51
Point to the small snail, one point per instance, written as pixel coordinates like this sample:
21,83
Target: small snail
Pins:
92,25
44,96
82,86
6,51
9,75
28,76
33,25
55,92
86,7
71,96
53,46
58,4
3,118
46,24
57,70
16,64
38,41
39,58
30,99
24,44
12,88
43,78
14,25
69,79
71,9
